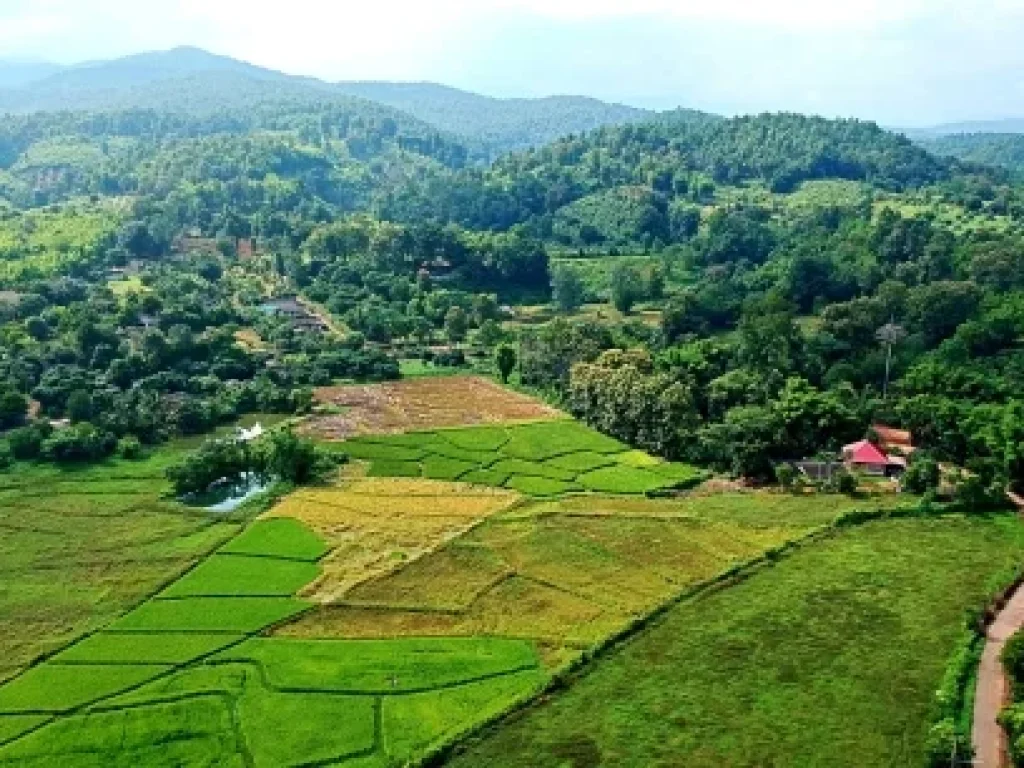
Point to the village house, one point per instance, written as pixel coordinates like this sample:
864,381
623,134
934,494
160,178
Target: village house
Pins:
884,455
297,313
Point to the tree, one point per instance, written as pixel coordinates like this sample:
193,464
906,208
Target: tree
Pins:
938,308
37,328
456,324
295,460
922,475
491,333
505,359
566,289
79,406
13,407
625,285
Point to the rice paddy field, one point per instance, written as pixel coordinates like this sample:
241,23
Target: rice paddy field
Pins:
446,579
829,657
540,459
79,547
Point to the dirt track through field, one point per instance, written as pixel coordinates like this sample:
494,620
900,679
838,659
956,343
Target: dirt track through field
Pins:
988,737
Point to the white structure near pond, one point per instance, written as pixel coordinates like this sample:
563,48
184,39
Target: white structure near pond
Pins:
253,432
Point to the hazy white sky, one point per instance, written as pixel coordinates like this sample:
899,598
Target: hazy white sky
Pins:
900,61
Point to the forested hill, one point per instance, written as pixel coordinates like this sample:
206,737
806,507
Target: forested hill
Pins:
1000,149
677,156
274,155
195,81
497,124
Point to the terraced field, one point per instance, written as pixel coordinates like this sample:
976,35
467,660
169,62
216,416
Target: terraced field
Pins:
375,526
567,574
541,459
188,678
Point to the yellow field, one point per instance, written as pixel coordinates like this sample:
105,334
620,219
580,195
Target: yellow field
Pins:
377,525
564,574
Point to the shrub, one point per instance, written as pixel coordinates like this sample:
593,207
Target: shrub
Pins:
846,483
785,474
6,455
27,442
1013,659
82,442
922,475
129,447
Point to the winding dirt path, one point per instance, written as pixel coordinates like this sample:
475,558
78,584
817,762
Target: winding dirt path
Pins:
988,738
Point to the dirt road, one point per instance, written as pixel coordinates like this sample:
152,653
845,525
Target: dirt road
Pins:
990,746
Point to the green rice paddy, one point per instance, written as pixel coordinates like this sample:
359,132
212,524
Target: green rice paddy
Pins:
541,459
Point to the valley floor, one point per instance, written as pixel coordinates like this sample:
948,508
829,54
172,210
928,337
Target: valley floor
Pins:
446,578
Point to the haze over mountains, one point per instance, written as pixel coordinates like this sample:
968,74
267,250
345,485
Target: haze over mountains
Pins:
192,80
195,81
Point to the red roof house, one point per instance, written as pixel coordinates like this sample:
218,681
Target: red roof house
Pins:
866,456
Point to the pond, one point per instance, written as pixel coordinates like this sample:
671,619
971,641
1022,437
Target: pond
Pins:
228,498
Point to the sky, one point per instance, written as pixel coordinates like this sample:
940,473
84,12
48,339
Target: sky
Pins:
901,62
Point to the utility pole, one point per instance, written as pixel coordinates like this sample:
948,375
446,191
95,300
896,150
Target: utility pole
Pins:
889,334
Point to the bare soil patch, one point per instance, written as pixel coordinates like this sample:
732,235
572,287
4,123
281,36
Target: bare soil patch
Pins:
422,403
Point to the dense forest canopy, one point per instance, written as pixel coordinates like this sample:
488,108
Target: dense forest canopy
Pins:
996,149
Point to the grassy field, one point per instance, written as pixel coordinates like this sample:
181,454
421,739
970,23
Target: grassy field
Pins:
80,546
539,459
829,657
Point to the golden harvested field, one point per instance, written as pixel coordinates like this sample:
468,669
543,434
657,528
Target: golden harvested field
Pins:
376,525
566,573
422,403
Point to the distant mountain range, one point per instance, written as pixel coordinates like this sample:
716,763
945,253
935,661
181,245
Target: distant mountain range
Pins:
1009,125
996,149
195,81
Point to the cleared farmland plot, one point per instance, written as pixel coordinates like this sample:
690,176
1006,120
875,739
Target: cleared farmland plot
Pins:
541,459
423,403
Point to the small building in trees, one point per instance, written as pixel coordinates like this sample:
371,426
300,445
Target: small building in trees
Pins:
895,442
297,314
865,456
